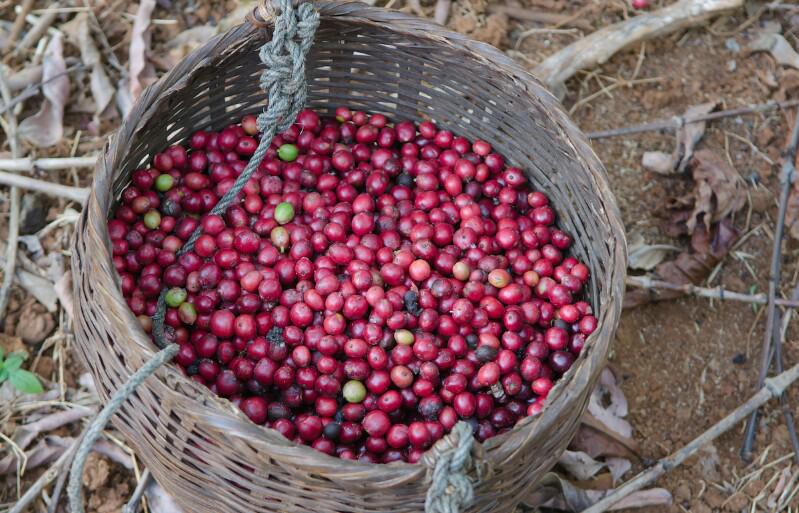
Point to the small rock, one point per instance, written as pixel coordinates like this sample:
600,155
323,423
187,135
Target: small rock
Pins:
732,65
762,200
32,213
732,45
699,507
35,323
713,497
683,491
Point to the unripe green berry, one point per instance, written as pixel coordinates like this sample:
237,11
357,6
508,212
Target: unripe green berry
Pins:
152,219
284,212
288,152
175,297
164,182
354,391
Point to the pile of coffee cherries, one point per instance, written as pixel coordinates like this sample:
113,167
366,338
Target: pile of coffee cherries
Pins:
372,285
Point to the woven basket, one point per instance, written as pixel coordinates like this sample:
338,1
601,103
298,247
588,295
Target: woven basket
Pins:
202,449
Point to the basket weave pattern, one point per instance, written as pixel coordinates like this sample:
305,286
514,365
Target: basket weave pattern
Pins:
202,449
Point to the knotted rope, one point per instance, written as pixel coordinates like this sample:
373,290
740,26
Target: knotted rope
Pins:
284,80
451,489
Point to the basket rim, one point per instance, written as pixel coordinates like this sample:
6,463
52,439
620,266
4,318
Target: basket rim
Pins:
402,23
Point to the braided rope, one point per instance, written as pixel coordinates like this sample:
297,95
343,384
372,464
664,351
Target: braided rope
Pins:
284,80
74,488
451,489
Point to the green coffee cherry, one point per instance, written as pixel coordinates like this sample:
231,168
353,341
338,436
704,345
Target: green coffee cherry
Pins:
164,182
284,212
403,337
354,391
288,152
152,219
175,297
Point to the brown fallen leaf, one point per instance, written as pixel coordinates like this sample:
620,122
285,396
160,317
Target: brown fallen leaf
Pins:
139,46
707,249
45,128
558,493
718,190
686,137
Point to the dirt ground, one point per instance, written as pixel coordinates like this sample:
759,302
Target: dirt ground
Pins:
685,363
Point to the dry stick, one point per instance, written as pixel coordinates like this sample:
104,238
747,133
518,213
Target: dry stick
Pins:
645,282
601,45
79,194
550,18
773,388
33,89
786,179
676,122
13,222
441,13
19,23
28,165
37,30
133,504
786,409
60,466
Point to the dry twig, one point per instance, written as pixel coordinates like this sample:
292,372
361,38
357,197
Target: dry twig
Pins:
773,388
601,45
13,221
713,293
79,194
28,165
786,180
676,122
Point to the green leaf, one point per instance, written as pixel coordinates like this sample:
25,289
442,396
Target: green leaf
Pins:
13,363
1,356
23,355
26,382
3,374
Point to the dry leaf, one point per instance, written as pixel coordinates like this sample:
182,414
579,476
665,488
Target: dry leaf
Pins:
603,430
580,465
687,138
139,46
25,434
35,324
778,47
45,128
102,90
643,256
63,289
618,467
719,190
708,248
611,416
557,493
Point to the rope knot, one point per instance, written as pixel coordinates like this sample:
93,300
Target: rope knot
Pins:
284,58
451,489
